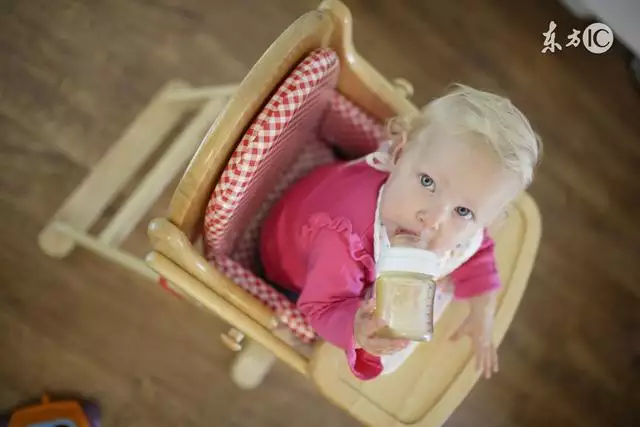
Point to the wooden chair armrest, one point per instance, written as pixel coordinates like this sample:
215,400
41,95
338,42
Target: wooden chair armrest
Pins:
231,314
170,241
359,81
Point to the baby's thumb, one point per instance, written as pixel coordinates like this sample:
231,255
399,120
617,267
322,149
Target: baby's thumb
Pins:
373,323
369,306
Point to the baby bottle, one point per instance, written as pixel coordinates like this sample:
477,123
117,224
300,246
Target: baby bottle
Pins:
405,289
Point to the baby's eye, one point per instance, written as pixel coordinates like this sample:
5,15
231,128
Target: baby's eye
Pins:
465,213
427,182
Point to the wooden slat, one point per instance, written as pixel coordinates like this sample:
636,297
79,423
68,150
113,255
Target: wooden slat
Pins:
116,256
163,172
83,207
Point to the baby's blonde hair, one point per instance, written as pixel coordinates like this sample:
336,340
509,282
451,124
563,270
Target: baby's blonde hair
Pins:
492,118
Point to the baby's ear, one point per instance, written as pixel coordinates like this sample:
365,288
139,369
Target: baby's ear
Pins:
397,129
396,149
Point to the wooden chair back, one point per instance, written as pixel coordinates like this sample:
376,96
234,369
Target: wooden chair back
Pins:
329,26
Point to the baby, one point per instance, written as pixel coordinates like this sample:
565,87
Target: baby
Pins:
449,173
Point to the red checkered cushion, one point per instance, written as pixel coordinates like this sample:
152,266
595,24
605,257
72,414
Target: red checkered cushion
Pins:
280,146
284,309
350,129
283,143
269,146
313,154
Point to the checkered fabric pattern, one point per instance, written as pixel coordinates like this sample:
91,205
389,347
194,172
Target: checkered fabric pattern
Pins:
269,146
350,129
284,143
280,146
284,309
313,154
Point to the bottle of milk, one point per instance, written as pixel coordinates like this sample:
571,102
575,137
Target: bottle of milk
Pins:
405,288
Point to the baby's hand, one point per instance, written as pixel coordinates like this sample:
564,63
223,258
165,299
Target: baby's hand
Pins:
479,327
445,284
365,327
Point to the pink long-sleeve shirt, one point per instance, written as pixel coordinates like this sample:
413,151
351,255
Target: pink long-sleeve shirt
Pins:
318,242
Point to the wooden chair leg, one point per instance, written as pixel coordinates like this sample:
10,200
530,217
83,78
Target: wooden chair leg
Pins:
251,365
70,225
156,181
85,205
115,255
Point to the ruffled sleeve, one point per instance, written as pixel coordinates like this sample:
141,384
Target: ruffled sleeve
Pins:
339,271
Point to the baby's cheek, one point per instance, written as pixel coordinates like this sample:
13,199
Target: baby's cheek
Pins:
392,205
454,236
441,242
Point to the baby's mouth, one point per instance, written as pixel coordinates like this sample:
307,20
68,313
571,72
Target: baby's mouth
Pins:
401,230
419,239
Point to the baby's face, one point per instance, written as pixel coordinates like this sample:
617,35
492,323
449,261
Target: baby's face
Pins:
449,189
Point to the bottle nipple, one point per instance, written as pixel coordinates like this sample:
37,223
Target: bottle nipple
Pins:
425,236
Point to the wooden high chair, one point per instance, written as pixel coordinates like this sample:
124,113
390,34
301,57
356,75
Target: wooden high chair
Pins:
314,67
436,378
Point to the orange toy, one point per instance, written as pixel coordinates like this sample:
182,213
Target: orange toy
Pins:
61,413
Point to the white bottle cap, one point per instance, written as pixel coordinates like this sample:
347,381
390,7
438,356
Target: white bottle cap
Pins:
412,260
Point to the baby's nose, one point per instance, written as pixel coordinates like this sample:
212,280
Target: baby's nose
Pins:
431,222
432,219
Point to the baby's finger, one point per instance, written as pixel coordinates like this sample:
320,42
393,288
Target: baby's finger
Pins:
390,343
372,325
488,361
401,344
387,345
369,305
380,351
479,359
495,366
445,284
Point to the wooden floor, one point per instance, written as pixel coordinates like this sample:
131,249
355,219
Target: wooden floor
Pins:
74,73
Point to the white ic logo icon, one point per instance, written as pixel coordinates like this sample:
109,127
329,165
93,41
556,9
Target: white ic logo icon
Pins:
597,38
